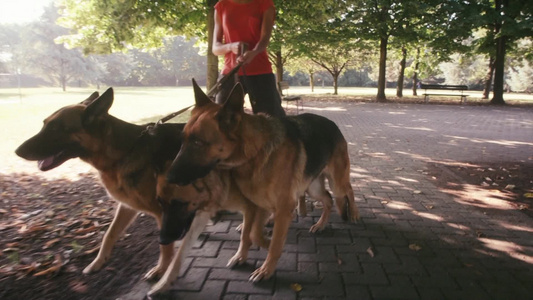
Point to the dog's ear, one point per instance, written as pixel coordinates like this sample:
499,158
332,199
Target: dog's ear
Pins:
199,96
98,107
91,98
230,114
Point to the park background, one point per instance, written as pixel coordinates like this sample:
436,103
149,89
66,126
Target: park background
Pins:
321,46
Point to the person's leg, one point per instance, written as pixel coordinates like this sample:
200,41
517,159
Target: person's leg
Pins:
225,89
263,94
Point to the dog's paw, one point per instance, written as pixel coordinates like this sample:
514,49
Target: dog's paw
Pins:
158,289
154,273
237,260
261,273
317,227
96,265
354,215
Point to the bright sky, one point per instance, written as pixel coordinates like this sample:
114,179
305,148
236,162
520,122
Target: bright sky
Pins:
21,11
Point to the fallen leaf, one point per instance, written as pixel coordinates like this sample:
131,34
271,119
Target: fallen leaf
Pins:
53,269
417,192
415,247
85,230
370,252
296,287
11,249
91,251
79,287
528,195
50,243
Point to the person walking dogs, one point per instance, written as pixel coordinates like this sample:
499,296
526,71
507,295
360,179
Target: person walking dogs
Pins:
246,26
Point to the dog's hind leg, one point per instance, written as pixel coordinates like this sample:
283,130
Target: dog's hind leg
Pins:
257,233
317,190
344,198
172,272
338,174
123,218
302,208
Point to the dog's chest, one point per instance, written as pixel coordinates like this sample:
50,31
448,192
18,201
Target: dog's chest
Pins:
121,188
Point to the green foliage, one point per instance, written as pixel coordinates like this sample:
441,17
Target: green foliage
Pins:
105,26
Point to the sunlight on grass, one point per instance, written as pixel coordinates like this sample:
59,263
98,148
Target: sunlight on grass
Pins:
21,118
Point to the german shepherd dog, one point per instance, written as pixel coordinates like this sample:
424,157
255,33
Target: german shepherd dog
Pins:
129,162
204,198
273,161
132,163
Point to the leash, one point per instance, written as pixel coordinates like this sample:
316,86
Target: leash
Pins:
151,127
213,91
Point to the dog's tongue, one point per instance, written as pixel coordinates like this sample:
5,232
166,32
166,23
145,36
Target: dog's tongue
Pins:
45,163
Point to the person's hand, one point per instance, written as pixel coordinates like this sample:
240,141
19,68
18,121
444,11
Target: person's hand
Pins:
236,47
247,57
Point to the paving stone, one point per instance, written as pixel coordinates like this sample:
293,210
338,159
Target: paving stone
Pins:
390,146
247,287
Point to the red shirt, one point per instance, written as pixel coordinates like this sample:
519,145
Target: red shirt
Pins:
242,22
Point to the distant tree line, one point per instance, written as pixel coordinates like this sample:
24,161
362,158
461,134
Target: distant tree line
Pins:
485,44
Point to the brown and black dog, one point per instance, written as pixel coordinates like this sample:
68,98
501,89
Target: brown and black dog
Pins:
128,159
132,161
273,161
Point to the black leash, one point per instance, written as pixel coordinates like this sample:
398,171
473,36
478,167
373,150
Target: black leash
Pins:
151,127
213,91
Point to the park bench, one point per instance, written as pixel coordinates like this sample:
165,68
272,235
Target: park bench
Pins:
433,87
284,85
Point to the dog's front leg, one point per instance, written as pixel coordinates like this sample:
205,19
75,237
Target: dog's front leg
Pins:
165,257
123,218
282,221
247,222
198,224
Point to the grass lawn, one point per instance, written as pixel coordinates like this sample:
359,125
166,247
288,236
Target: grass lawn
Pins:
21,114
21,117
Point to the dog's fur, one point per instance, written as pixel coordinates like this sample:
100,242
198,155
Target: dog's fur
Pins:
272,161
205,197
132,161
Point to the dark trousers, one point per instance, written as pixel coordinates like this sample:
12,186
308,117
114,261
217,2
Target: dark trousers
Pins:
261,90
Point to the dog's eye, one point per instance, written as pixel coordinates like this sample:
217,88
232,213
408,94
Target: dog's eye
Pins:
198,143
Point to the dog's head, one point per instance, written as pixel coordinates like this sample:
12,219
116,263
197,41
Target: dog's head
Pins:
180,203
209,137
64,133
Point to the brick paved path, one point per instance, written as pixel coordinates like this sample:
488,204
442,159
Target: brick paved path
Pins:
423,243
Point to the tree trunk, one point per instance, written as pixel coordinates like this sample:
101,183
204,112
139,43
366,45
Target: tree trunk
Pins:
335,83
499,61
212,60
488,79
312,81
399,88
382,69
415,73
279,68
